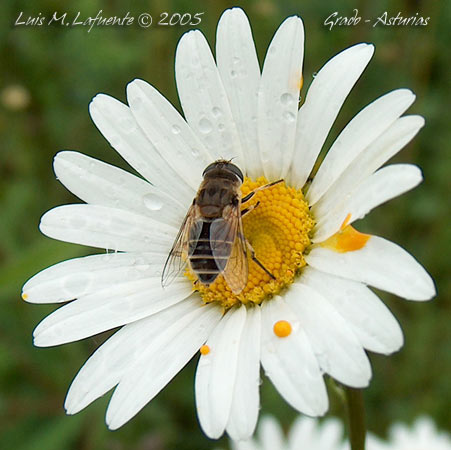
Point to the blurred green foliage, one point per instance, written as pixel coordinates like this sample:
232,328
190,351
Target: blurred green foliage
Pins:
48,77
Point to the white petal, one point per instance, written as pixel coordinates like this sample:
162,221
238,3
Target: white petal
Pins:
245,402
108,308
204,99
325,97
308,433
371,321
289,362
380,151
99,183
337,349
81,276
278,98
105,368
360,132
385,184
244,445
240,73
103,227
380,263
159,362
270,434
167,130
216,373
116,122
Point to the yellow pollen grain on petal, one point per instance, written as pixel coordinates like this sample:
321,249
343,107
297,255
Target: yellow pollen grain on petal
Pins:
24,296
346,240
204,350
279,229
282,328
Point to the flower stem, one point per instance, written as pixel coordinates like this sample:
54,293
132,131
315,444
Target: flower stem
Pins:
356,414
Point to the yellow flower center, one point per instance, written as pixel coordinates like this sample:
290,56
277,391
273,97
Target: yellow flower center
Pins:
279,230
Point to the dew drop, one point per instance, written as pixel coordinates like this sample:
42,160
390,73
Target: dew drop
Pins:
216,111
205,126
221,127
195,152
175,129
236,60
286,98
314,74
289,116
233,73
152,202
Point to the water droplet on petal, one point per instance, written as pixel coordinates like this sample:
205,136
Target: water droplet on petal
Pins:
216,111
205,126
236,60
286,98
314,74
175,129
195,152
289,116
233,73
152,202
221,127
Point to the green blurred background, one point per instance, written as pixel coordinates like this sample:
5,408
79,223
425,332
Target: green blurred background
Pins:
48,77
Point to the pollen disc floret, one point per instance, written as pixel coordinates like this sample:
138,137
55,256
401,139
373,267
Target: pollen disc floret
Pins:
279,230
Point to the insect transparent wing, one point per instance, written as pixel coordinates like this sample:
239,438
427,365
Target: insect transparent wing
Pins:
178,256
229,248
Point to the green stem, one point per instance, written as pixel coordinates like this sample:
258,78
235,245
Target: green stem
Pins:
356,413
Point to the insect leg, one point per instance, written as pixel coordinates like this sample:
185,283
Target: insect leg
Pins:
249,209
254,258
252,193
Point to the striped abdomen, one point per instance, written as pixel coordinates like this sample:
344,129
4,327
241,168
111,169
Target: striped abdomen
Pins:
208,258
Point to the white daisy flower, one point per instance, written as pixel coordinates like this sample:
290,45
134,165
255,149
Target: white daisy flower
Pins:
422,435
305,434
317,317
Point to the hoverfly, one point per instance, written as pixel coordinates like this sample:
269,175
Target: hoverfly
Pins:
211,238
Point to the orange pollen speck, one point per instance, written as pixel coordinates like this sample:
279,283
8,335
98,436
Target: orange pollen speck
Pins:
24,296
204,350
282,328
347,239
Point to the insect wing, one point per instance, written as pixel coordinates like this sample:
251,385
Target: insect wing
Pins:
178,256
228,247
